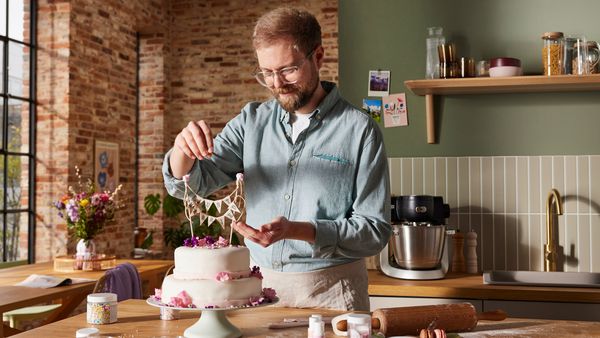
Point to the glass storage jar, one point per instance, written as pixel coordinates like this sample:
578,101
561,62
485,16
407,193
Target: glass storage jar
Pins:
552,53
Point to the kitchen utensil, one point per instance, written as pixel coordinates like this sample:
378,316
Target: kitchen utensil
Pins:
296,322
418,246
460,317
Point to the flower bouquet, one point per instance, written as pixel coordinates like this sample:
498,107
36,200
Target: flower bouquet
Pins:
87,212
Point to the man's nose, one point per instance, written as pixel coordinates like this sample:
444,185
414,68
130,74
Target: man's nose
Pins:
277,82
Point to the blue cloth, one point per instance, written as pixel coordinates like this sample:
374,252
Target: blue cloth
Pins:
124,280
335,176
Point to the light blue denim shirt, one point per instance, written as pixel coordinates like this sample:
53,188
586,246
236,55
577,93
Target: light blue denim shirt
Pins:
334,176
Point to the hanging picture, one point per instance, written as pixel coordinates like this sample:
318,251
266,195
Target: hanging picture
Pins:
395,113
373,108
106,165
379,82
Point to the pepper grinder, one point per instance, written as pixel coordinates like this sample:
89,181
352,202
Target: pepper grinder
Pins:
471,242
458,257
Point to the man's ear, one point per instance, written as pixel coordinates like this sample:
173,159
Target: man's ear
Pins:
320,56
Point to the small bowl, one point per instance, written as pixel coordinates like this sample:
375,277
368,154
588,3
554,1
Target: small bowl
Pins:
502,67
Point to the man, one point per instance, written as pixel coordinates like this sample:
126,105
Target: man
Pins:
315,172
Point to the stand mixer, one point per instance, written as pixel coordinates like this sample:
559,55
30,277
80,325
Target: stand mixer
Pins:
418,248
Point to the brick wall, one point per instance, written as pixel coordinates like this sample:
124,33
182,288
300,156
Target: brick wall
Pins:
86,92
196,61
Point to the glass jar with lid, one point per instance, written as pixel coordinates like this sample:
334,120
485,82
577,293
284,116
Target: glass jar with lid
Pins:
552,53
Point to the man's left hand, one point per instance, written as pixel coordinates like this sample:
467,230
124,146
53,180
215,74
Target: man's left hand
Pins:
278,229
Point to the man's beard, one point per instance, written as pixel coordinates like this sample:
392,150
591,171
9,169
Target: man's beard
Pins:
300,97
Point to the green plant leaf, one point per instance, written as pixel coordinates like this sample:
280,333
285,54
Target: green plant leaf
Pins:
152,203
149,240
172,206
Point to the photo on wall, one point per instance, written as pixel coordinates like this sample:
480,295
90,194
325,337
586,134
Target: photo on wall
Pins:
106,165
373,108
379,82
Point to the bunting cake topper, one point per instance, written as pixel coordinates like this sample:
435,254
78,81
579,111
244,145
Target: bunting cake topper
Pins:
229,207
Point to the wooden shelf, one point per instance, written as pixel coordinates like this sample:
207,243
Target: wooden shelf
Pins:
486,85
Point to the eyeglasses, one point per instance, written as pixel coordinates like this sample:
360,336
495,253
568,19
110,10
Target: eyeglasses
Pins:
287,75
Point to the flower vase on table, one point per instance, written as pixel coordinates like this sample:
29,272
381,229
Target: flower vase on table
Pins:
84,257
87,212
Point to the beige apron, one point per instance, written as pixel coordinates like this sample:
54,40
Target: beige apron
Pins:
342,287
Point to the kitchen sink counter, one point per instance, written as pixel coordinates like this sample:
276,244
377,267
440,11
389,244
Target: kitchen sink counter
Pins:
468,286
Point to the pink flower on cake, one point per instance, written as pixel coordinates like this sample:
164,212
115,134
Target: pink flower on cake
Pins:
223,276
222,242
256,272
239,176
182,300
157,294
269,294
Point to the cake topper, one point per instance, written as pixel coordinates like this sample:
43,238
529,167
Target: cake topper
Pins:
230,207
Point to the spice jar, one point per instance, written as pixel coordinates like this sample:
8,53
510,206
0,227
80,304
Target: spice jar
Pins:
359,325
102,308
552,53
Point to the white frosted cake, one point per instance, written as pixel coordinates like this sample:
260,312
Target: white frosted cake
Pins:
211,274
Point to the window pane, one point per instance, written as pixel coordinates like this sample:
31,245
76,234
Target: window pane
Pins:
1,187
16,236
1,66
18,126
2,18
16,18
17,183
18,73
1,124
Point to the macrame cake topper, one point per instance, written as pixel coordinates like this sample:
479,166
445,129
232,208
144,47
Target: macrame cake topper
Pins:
230,207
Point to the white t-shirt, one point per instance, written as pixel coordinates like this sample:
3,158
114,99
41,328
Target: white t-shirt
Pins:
299,123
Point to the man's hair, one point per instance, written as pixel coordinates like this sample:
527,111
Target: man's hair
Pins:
295,25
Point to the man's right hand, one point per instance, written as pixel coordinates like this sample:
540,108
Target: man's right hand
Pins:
195,141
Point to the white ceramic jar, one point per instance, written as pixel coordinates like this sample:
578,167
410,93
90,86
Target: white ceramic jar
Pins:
101,308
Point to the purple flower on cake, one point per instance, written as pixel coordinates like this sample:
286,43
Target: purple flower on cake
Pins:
256,272
191,242
223,276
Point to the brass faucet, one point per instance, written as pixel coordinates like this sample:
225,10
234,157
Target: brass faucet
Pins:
550,249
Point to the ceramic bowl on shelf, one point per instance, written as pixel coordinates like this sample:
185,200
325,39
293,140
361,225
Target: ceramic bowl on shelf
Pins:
504,66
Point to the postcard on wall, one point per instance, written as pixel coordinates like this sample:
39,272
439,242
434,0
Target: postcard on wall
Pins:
373,108
106,165
379,82
395,112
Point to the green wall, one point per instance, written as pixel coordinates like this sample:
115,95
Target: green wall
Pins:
390,35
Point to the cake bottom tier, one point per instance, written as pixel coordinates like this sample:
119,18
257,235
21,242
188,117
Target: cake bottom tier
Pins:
206,292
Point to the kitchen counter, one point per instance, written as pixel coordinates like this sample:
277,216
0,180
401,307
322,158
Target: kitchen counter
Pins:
468,286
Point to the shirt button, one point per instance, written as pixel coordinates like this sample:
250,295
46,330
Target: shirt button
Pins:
292,163
286,196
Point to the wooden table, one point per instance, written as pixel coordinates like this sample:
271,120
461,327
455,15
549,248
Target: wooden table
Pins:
138,319
14,297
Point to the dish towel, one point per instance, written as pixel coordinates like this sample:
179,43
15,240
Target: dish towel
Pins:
124,280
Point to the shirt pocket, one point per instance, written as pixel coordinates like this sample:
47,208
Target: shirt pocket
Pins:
330,181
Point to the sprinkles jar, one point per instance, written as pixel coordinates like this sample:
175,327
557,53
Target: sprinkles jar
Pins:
101,308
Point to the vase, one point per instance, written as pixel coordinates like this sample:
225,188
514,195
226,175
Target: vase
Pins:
86,247
86,250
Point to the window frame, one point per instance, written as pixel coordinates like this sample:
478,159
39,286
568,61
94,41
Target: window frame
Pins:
5,96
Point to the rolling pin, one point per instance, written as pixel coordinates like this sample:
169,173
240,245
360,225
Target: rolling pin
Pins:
410,320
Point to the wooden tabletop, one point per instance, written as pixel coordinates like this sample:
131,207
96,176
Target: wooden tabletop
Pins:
468,286
15,297
138,319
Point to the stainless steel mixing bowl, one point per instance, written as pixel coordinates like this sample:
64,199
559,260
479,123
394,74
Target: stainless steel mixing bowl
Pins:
418,246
